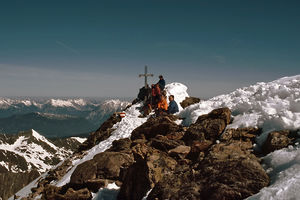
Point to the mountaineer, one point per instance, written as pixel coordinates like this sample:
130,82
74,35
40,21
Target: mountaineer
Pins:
162,105
173,107
161,82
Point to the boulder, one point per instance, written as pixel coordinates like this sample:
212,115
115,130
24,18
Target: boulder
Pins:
105,165
240,134
219,113
208,126
198,148
179,185
276,140
50,192
164,144
231,171
121,145
189,101
176,135
149,167
180,151
161,125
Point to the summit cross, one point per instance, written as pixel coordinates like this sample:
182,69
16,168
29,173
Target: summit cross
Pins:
146,75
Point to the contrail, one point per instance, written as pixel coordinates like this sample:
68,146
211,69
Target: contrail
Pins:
67,47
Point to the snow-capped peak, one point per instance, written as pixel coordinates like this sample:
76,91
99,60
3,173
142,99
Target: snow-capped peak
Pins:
61,103
43,139
115,103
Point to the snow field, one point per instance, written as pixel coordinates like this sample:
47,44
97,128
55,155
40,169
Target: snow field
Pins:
273,105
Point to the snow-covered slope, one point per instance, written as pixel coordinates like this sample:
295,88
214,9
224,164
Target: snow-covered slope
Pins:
38,152
273,105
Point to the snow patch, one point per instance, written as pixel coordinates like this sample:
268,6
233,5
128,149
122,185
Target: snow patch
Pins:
43,139
283,167
4,164
179,91
79,139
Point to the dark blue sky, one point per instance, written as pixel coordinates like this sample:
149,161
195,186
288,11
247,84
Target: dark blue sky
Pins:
97,48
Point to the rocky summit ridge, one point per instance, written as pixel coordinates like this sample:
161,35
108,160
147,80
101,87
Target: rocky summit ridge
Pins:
157,158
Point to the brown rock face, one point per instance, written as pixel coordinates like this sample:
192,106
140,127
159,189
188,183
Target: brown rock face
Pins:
150,166
180,152
240,133
180,184
9,185
276,140
208,126
106,165
189,101
164,144
220,113
234,173
162,125
228,171
197,148
121,145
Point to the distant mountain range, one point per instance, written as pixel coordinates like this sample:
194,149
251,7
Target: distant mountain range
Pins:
56,117
25,156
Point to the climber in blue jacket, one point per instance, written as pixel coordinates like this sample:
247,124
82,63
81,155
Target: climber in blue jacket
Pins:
161,82
173,107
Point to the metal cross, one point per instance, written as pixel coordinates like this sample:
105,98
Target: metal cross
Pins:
146,75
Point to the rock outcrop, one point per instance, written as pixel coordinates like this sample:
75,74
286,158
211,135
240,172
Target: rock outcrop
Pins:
162,125
200,168
12,182
189,101
228,171
149,167
106,165
277,140
209,126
